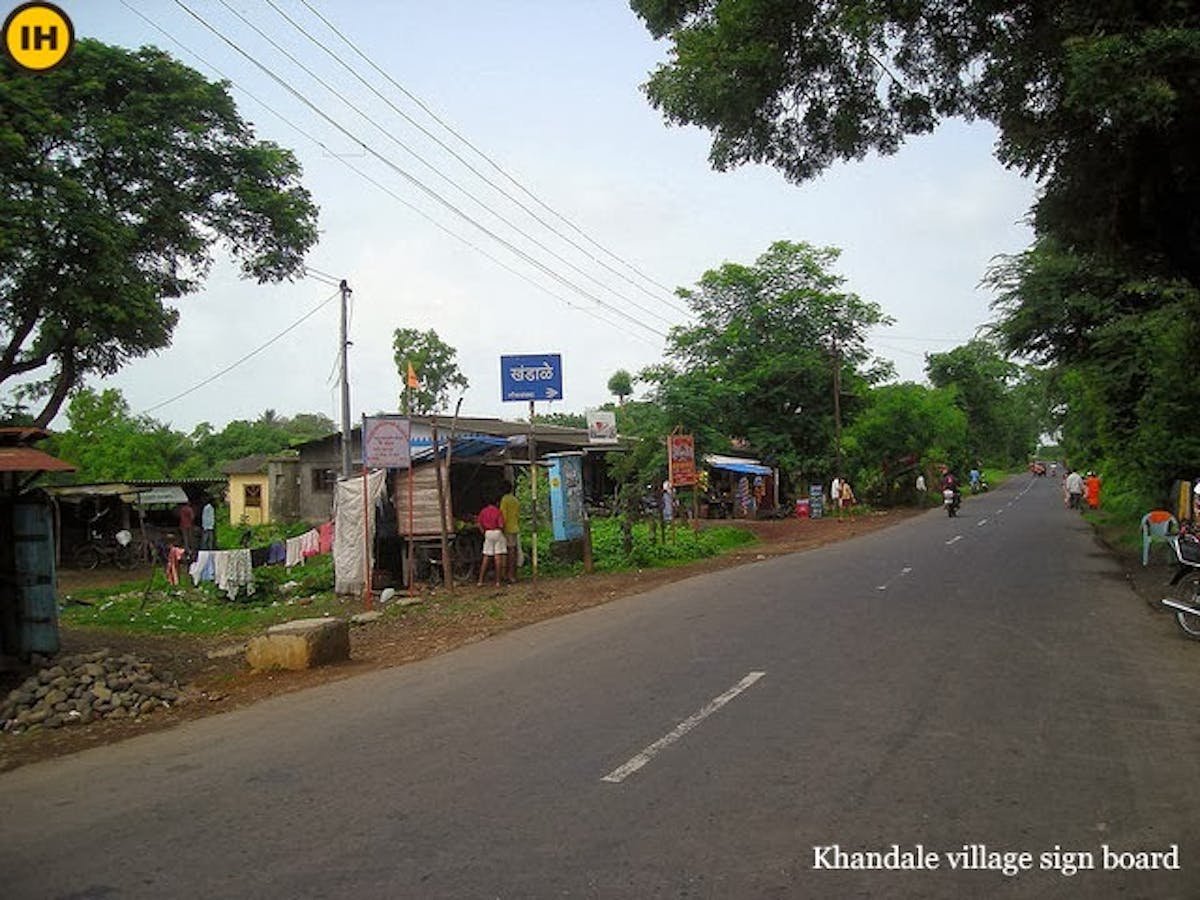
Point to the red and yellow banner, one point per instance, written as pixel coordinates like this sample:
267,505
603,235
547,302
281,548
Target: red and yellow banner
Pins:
681,460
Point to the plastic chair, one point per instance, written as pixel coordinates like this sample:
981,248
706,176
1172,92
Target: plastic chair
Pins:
1156,526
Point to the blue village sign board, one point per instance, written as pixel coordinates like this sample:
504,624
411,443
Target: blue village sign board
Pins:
531,377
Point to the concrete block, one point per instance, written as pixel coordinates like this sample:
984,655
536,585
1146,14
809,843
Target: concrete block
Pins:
300,644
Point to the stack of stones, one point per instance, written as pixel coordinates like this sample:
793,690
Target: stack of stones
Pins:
80,689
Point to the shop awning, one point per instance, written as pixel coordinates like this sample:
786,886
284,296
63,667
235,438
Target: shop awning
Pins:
736,464
27,459
172,494
470,447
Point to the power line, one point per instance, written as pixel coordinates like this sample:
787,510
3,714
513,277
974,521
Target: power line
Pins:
391,137
433,137
261,347
377,184
407,176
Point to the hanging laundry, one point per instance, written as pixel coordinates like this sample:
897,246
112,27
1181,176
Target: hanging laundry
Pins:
310,543
276,553
325,537
203,568
220,567
174,557
238,574
293,556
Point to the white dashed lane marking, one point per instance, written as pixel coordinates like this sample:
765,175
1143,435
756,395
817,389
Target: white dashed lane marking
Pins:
619,774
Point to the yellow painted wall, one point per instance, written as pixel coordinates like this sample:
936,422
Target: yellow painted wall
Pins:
237,500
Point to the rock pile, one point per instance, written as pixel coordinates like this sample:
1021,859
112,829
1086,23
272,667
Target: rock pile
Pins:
80,689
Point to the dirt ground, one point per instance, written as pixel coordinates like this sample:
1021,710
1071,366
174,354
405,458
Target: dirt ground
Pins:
216,676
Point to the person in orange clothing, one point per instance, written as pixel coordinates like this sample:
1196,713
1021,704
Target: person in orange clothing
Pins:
1091,490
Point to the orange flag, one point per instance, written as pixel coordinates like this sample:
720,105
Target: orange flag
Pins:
413,381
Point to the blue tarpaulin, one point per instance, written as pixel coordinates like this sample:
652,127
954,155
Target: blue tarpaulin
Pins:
741,466
466,447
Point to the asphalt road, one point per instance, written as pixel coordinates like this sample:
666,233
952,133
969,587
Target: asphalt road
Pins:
988,680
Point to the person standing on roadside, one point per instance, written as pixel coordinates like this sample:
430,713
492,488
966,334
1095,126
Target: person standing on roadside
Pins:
1074,489
187,525
495,550
848,497
208,525
1091,488
921,489
510,509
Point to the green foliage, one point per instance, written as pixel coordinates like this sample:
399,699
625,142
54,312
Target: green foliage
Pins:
229,536
902,421
434,362
682,546
1121,386
118,174
201,610
1003,423
760,367
621,385
107,443
1096,98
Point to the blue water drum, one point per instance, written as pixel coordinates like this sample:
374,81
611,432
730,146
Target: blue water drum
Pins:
33,561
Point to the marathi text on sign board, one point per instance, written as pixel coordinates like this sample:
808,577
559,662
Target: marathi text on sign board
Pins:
681,460
531,377
386,442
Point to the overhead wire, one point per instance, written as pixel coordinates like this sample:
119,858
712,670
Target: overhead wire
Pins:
425,188
261,347
428,111
517,251
466,163
380,186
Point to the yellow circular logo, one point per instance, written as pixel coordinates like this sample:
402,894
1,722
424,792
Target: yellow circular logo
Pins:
38,36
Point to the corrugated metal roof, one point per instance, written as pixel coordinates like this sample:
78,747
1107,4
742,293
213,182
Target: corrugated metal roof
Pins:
26,459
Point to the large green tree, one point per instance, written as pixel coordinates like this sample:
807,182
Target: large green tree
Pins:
774,340
1003,421
1121,353
120,173
433,361
1085,94
904,428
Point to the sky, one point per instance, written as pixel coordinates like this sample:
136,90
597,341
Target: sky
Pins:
550,92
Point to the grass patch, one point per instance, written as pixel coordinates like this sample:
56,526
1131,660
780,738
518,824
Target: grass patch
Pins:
156,607
307,591
682,545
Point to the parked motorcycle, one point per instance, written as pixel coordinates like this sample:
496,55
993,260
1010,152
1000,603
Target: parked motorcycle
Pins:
1186,584
951,500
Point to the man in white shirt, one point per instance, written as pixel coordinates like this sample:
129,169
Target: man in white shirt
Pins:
1074,489
208,524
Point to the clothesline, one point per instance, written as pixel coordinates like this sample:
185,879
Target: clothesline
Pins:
233,570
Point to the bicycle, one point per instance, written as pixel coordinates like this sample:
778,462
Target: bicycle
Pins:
117,550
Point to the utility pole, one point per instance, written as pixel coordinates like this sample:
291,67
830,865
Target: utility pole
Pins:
837,407
345,345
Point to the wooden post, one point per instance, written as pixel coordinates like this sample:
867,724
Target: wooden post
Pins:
587,541
366,542
411,579
533,480
447,566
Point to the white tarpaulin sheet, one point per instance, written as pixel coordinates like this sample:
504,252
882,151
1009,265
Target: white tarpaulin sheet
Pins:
349,541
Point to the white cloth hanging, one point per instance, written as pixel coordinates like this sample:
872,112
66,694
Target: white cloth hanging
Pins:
350,557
